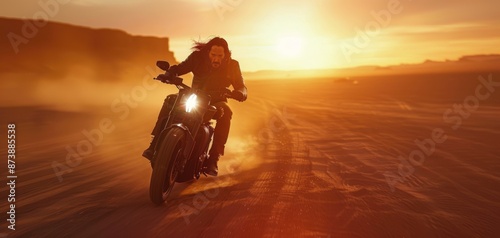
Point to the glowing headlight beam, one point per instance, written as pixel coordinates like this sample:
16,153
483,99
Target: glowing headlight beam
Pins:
191,102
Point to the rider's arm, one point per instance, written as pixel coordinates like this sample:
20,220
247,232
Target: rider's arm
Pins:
237,79
185,66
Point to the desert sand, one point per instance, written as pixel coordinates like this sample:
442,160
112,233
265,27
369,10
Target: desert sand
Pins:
305,158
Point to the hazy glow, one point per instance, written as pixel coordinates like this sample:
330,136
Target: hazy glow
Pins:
286,34
90,3
289,47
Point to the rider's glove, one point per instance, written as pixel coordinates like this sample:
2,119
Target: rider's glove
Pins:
164,77
238,95
169,78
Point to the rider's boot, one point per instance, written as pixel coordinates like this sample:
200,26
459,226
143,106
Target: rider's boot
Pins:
211,164
149,152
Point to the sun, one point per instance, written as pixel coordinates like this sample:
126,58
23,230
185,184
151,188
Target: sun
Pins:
289,47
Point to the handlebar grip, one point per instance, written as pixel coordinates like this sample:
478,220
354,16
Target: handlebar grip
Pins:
169,79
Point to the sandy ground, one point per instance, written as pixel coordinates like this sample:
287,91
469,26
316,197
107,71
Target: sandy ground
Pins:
309,158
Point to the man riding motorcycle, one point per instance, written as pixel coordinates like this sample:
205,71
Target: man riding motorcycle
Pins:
213,71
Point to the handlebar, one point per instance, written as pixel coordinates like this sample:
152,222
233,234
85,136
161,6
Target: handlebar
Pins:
224,93
177,81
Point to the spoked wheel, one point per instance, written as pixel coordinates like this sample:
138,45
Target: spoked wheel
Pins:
165,169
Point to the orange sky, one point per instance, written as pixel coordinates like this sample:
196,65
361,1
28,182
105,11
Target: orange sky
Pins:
297,34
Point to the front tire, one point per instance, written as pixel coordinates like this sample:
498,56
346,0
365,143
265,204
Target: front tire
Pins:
164,171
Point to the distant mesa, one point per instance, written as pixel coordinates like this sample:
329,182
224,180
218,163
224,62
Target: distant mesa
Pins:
472,63
468,59
57,49
480,58
430,62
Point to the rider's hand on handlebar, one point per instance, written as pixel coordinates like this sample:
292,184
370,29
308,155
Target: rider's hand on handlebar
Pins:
169,78
164,77
237,95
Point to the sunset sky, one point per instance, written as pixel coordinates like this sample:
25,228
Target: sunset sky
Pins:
297,34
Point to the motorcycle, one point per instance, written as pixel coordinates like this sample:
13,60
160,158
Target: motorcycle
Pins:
183,144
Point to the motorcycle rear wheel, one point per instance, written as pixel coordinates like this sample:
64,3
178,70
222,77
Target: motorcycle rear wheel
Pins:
164,171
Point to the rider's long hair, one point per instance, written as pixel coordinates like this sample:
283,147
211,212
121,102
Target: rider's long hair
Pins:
206,46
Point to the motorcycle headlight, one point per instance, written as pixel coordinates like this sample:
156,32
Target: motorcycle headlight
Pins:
191,102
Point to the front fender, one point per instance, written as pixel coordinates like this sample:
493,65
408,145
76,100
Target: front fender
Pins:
188,144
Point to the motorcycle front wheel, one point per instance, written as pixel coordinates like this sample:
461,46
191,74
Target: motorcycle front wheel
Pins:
164,171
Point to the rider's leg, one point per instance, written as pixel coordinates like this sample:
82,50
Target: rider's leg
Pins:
221,134
160,124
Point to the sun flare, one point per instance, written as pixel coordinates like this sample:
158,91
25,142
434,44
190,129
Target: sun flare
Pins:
289,46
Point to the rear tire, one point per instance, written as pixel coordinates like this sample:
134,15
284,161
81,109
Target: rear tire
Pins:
164,170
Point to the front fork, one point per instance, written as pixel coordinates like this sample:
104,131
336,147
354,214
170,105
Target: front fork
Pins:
205,143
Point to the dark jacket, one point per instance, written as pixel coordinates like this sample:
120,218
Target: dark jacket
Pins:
209,79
